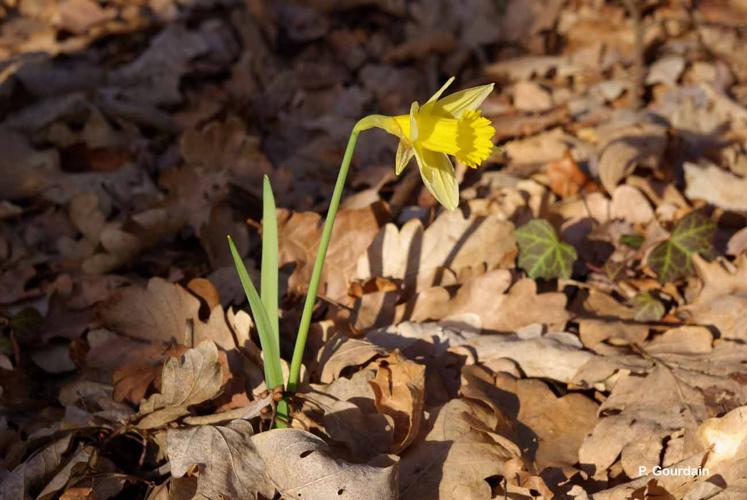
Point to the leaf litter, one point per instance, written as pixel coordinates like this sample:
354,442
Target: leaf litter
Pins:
573,326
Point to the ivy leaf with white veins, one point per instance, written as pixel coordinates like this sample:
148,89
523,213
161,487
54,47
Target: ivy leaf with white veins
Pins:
541,253
673,258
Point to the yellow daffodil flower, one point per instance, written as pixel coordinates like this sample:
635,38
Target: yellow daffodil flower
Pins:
441,127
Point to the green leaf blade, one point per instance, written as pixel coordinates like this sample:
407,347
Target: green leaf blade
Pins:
273,372
541,253
269,274
672,259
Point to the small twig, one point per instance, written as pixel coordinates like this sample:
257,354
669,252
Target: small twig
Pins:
639,63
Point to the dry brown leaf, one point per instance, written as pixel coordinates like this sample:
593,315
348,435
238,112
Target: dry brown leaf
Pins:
36,471
228,464
461,450
556,425
166,312
132,381
399,389
423,257
715,186
194,378
615,332
723,298
630,205
565,176
656,404
340,352
299,234
345,410
556,356
627,147
529,96
301,464
499,307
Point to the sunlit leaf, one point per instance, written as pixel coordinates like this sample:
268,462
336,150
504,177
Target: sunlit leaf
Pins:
672,259
269,277
273,373
541,253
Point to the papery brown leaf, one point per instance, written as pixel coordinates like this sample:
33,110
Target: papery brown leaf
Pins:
167,313
299,234
227,461
399,388
340,352
197,377
432,256
300,463
722,300
500,308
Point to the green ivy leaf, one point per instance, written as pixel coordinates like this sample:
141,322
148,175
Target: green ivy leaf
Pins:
673,259
541,253
634,241
647,307
26,323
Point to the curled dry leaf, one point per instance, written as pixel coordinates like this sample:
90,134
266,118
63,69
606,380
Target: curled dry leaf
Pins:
630,146
461,450
300,465
341,352
715,186
345,410
399,389
723,298
194,378
34,473
299,234
228,464
725,437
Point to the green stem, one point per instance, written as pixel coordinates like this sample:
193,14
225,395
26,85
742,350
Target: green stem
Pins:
308,307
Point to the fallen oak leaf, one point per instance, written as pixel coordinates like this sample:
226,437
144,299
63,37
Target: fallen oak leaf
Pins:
340,352
194,378
399,390
228,463
299,234
166,312
501,306
426,257
132,381
302,466
722,300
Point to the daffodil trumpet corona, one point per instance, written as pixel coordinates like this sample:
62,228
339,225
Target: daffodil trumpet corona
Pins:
442,127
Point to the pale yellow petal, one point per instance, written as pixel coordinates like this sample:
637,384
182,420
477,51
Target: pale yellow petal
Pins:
464,100
441,90
413,135
405,153
387,123
438,176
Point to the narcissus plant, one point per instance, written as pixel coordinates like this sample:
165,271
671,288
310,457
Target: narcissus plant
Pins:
452,126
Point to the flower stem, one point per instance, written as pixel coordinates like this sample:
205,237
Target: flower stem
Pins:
308,307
